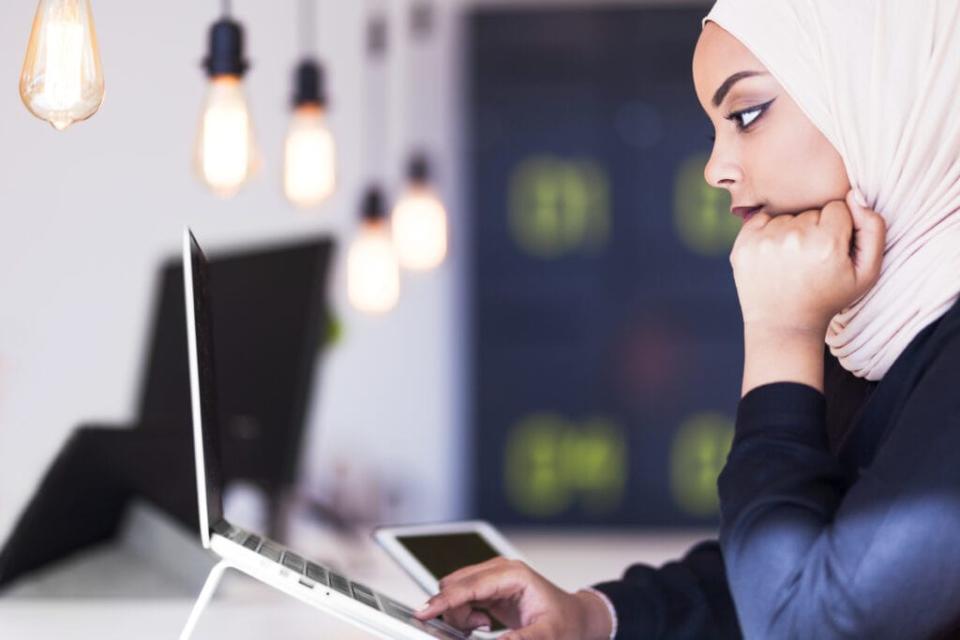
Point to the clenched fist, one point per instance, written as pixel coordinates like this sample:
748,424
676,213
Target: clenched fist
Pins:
795,272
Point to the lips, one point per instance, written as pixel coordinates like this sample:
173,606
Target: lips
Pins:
745,212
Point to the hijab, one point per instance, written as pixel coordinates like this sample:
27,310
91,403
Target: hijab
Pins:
881,80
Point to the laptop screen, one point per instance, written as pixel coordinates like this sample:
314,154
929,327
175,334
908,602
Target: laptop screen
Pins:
203,386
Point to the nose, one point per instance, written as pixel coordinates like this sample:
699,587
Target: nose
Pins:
721,171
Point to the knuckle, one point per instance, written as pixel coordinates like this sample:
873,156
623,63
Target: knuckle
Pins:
516,571
741,254
778,220
829,208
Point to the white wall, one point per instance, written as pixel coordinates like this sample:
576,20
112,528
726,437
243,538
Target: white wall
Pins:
87,214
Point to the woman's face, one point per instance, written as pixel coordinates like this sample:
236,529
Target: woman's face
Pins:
779,159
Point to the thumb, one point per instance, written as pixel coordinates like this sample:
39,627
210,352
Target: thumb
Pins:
869,236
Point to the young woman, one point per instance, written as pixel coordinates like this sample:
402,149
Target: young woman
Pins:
840,499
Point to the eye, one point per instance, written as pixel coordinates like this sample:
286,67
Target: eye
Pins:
746,117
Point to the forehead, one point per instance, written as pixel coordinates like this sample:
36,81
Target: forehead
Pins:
718,55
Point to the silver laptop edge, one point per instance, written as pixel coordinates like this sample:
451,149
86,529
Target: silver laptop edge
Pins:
253,554
194,359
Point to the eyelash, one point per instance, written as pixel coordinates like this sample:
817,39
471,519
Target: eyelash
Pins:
760,109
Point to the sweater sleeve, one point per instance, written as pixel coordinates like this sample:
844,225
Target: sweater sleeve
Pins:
686,599
811,551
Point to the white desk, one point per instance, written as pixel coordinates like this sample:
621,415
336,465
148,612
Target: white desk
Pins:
246,609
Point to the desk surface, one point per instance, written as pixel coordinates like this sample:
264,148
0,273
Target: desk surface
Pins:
247,609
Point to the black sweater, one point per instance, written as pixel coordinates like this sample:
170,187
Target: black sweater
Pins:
840,513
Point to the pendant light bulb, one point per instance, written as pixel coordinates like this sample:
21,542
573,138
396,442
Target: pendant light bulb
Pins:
62,79
373,276
226,151
309,169
419,222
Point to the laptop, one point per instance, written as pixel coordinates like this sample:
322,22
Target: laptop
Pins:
249,551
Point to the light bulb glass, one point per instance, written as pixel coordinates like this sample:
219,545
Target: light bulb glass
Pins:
373,276
62,80
226,153
309,170
420,228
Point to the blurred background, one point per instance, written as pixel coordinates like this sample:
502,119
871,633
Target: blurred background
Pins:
468,263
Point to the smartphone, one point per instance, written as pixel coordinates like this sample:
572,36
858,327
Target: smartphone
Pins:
428,552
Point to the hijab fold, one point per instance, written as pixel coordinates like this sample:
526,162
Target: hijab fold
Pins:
881,80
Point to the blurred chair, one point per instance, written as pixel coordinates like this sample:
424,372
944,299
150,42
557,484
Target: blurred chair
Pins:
270,322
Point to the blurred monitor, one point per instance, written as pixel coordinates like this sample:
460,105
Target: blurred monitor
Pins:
274,301
274,305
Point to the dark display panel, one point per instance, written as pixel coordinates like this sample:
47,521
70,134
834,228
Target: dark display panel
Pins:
606,333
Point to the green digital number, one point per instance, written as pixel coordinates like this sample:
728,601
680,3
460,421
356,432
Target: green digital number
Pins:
552,464
559,206
697,457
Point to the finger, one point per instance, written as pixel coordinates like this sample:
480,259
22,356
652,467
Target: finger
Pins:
837,220
757,221
492,584
459,617
477,619
461,574
870,232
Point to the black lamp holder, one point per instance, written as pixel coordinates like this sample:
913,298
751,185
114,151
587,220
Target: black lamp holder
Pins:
225,55
309,84
418,171
374,207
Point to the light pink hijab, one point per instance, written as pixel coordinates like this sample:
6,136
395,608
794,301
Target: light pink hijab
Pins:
881,80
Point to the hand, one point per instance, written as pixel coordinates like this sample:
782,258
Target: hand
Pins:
522,599
795,272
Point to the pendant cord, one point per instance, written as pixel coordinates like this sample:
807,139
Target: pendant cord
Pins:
418,99
307,27
375,141
227,7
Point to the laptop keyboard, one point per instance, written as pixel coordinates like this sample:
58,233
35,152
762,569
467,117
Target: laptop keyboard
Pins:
270,552
312,574
339,583
293,562
317,574
365,595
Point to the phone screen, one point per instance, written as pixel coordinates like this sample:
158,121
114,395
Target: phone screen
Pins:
442,554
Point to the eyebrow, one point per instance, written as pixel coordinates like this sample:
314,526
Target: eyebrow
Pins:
732,80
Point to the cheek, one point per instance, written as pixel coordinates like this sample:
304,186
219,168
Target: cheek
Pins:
781,166
804,168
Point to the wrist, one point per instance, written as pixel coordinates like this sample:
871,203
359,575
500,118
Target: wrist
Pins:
595,618
782,354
